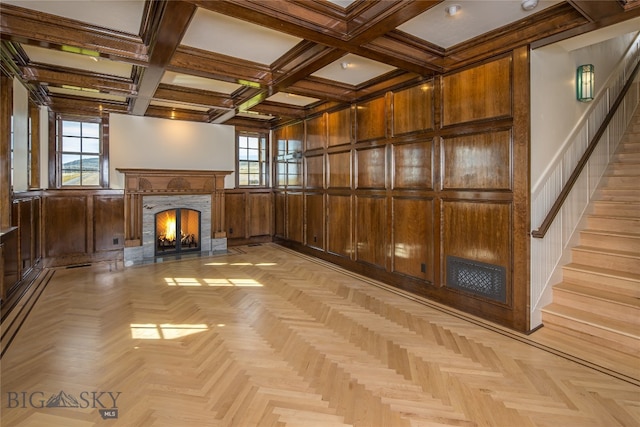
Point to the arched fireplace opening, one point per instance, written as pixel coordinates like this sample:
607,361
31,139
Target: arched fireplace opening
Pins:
177,231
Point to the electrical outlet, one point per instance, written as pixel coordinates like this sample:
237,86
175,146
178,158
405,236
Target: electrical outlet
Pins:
116,241
423,267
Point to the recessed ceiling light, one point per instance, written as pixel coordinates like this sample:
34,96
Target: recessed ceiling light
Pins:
453,9
529,4
345,65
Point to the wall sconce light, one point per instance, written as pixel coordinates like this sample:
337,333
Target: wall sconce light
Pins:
585,77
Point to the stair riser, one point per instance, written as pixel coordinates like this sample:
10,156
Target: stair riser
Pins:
607,308
616,209
604,241
627,225
603,260
612,284
590,333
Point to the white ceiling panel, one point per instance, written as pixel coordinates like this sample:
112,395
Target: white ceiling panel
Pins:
86,94
201,83
77,61
292,99
353,69
218,33
120,15
475,18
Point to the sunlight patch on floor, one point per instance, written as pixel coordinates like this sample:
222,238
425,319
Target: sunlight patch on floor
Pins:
222,282
168,331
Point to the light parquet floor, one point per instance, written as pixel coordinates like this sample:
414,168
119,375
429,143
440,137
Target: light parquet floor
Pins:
268,337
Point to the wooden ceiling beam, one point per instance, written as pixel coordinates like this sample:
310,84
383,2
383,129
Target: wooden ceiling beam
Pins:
173,22
193,96
594,11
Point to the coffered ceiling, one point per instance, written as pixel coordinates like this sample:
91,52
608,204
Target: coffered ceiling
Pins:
263,62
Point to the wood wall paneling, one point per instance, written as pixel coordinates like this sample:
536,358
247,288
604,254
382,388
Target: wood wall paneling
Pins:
235,216
314,171
413,237
371,120
372,167
65,225
11,275
280,210
479,161
6,111
412,165
316,132
108,223
26,227
295,216
340,172
260,214
315,216
478,93
371,230
413,109
339,229
339,124
477,231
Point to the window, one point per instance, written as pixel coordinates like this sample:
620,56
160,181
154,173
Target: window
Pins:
80,152
289,161
252,160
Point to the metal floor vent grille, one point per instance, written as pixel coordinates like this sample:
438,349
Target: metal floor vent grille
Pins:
483,279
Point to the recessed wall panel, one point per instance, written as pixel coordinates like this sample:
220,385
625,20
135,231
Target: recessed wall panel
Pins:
371,120
482,92
371,230
340,170
371,164
413,237
412,165
339,232
413,109
479,162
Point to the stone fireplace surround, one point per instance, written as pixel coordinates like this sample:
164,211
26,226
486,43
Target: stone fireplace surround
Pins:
149,191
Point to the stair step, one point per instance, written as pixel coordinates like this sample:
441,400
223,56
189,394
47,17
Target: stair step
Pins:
613,208
623,169
622,195
626,156
607,258
593,327
613,223
601,278
615,306
610,240
621,181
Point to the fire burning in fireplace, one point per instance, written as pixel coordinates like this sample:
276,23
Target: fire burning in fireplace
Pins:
177,230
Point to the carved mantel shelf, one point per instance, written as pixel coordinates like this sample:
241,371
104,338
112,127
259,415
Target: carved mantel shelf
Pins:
141,182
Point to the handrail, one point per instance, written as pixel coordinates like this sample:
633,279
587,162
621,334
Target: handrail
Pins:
566,189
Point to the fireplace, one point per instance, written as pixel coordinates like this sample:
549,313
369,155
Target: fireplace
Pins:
177,230
194,197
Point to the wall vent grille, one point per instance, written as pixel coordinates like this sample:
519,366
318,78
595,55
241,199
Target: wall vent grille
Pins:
479,278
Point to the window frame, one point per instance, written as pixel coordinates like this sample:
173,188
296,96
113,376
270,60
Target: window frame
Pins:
55,150
263,158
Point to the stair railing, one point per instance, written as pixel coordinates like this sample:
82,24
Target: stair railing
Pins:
564,192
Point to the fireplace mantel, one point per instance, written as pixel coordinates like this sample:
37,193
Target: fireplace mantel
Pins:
164,182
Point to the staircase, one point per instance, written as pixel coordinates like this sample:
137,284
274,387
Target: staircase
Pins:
598,299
